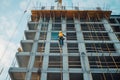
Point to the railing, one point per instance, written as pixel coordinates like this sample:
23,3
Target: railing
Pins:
68,8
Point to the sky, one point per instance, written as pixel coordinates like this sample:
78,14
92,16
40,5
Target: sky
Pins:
13,22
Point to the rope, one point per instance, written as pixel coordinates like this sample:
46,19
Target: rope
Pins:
104,56
12,64
110,55
61,59
112,59
60,47
1,70
10,39
44,37
95,47
14,32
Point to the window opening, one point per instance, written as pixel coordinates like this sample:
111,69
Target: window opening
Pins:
71,36
72,47
95,36
76,76
70,27
74,62
41,47
54,62
54,48
56,27
38,61
112,20
54,76
54,35
100,47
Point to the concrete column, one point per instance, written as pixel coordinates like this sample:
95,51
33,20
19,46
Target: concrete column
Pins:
33,53
47,49
44,76
80,38
85,67
112,35
83,57
65,53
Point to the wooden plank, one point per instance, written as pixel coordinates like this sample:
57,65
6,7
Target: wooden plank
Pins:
71,13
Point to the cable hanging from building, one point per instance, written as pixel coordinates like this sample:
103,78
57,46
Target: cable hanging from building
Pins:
42,47
10,39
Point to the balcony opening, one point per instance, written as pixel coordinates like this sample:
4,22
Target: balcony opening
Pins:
70,27
56,27
43,35
100,47
105,76
70,20
38,61
76,76
74,62
27,46
41,47
57,20
71,36
44,27
72,48
83,19
18,75
30,35
23,60
116,28
54,35
46,19
54,48
35,76
54,76
112,20
95,36
92,27
32,25
55,62
104,62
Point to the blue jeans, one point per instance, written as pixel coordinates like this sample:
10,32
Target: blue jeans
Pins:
61,41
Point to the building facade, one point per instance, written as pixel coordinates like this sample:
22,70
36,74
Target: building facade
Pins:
91,48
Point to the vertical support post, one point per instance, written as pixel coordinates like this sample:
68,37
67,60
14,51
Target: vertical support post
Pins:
85,67
46,56
81,45
65,53
33,53
83,56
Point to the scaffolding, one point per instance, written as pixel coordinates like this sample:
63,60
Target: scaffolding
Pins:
43,58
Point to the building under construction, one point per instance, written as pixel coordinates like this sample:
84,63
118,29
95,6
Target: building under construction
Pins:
91,48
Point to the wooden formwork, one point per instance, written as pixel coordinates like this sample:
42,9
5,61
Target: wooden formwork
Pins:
36,14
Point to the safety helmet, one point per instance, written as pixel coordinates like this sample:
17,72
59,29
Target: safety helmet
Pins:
60,31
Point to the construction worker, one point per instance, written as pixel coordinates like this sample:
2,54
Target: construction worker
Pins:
19,49
61,38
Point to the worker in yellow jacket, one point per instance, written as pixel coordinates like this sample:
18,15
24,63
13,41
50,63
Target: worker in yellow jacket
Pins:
19,49
61,38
